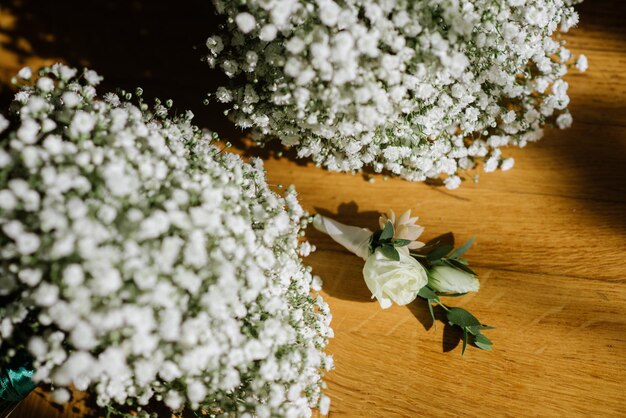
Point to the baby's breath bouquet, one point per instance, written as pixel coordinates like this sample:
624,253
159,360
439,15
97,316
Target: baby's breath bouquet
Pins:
141,263
418,88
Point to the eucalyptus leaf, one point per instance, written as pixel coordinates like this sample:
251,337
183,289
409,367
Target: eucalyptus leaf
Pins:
445,239
374,241
390,252
432,312
387,231
376,236
463,248
423,261
464,341
459,265
483,346
427,293
439,252
476,329
462,318
480,338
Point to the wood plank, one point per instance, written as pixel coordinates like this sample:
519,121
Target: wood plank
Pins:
583,162
38,405
551,232
554,356
599,95
529,232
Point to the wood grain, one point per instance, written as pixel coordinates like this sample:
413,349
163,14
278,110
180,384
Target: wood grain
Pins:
551,232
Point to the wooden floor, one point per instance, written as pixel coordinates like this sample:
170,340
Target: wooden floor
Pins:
551,249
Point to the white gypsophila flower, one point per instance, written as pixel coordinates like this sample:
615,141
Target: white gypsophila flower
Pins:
414,88
92,77
140,262
564,120
45,84
4,123
25,73
61,396
245,22
582,63
507,164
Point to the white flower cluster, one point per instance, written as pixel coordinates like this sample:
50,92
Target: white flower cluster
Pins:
140,262
420,88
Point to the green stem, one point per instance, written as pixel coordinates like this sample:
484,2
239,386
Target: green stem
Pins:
442,305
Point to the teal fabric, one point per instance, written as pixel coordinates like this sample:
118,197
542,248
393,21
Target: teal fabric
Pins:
15,381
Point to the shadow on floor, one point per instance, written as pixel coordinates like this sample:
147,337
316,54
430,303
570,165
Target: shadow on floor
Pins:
603,15
130,42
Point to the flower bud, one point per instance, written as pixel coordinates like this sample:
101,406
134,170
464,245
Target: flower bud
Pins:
449,279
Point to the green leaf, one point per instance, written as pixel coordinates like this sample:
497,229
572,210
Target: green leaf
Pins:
427,293
464,341
439,252
374,241
475,329
480,338
459,266
431,297
390,252
482,342
445,239
463,248
401,242
387,231
432,312
462,318
482,346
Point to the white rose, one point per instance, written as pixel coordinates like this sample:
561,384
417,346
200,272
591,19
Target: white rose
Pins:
448,279
394,281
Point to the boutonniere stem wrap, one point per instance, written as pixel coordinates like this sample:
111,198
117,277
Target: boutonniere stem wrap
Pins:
399,268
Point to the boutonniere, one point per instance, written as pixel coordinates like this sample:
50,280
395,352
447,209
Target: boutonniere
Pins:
399,268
